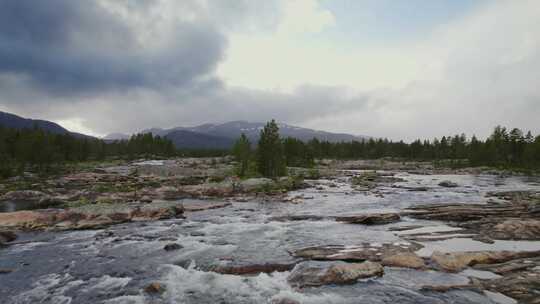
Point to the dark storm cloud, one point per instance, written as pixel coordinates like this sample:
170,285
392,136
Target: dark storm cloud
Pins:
70,47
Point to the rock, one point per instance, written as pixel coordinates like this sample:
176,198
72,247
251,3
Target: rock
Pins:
89,216
205,205
358,253
517,229
249,269
23,195
323,273
406,260
172,246
457,261
48,202
284,301
154,287
7,236
299,217
448,184
145,199
168,193
255,184
370,218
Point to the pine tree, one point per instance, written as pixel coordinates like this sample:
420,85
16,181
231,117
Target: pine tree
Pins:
270,158
242,154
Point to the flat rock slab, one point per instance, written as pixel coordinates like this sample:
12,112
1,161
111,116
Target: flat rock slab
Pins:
405,260
251,268
458,261
358,253
370,218
202,205
89,216
313,273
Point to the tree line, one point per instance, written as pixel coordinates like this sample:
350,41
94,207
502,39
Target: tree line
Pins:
40,150
503,148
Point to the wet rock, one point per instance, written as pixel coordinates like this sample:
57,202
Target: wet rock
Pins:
448,184
49,202
7,236
312,273
405,228
197,233
89,216
406,260
154,287
24,195
522,286
357,253
145,199
172,246
168,193
6,270
370,219
299,217
457,261
252,268
284,301
517,229
201,206
510,266
255,184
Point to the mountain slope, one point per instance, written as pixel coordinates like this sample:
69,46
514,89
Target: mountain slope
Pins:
13,121
234,129
222,136
184,139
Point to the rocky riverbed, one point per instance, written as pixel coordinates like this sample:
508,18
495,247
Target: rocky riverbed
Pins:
183,231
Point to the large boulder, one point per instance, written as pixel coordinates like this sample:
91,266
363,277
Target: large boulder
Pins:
312,273
370,218
457,261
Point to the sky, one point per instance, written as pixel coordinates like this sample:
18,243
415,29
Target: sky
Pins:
383,68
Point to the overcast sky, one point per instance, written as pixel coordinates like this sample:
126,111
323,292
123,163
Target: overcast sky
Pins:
396,69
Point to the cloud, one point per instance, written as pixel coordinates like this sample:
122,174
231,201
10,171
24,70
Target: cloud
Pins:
66,47
170,63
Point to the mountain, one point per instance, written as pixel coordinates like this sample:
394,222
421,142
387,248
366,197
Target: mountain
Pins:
223,135
13,121
184,139
234,129
116,136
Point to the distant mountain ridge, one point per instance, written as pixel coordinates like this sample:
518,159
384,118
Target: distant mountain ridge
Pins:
222,136
13,121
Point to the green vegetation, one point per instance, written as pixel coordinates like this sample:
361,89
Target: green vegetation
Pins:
242,154
41,151
270,154
501,149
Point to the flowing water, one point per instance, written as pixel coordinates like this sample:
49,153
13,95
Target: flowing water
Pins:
115,264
